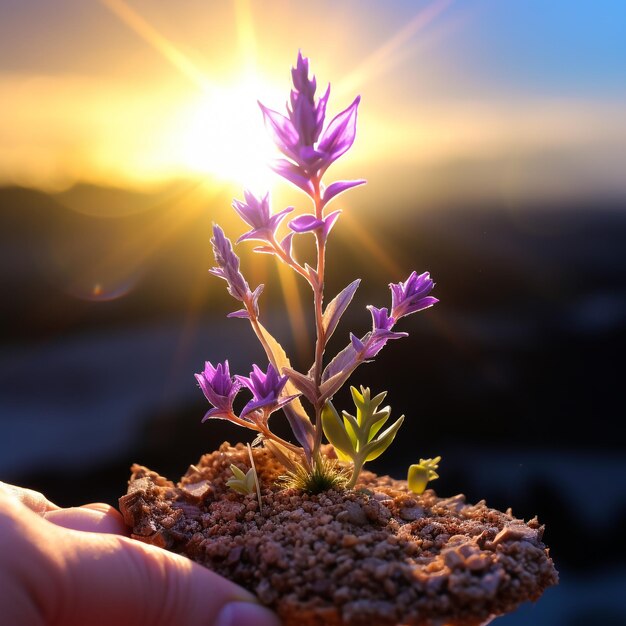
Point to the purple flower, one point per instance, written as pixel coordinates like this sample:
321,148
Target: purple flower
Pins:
256,213
380,319
265,388
373,342
411,295
381,332
228,269
218,387
301,137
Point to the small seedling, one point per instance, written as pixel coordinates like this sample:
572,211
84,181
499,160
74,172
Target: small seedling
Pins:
247,483
420,474
354,438
240,482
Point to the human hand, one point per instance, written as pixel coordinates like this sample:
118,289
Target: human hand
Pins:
72,567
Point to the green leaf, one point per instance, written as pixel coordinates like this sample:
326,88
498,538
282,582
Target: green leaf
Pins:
418,478
335,431
359,400
377,400
250,480
377,421
238,474
353,429
237,485
369,419
375,448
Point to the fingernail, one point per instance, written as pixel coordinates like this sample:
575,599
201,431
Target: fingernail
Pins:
246,614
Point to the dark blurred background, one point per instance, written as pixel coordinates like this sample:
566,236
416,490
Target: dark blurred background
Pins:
493,138
514,377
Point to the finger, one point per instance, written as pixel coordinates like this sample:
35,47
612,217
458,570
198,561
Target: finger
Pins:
122,581
34,500
52,575
97,518
100,506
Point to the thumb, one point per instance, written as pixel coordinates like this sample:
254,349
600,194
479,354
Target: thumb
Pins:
115,580
55,576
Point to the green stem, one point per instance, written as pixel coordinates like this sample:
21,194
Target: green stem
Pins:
356,470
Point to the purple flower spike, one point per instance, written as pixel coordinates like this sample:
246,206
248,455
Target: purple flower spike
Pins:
265,388
256,213
411,295
228,269
300,77
300,135
219,388
306,117
228,265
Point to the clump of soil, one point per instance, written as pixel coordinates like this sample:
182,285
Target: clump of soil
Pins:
377,554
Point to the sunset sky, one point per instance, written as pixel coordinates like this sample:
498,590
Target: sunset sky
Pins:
524,94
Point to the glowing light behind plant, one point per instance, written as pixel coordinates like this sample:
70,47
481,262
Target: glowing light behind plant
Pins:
221,134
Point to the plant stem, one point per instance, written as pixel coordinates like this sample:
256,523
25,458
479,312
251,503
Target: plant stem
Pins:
289,261
356,470
266,432
231,417
318,294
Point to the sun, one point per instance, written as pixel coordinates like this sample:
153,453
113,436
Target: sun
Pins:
222,134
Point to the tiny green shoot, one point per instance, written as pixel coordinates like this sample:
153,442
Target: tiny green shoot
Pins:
247,483
420,474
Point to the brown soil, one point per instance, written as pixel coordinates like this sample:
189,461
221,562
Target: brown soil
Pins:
374,555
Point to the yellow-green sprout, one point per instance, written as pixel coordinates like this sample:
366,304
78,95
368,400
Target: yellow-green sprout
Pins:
420,474
247,483
240,482
355,438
